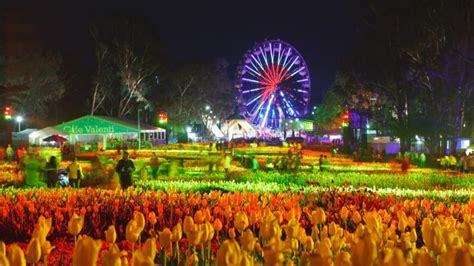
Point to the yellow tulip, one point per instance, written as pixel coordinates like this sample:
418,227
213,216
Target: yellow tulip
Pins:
217,225
208,232
33,253
86,251
315,259
292,229
394,257
324,248
356,217
278,217
229,253
195,234
424,258
140,219
318,216
188,224
467,231
308,244
456,257
246,260
139,259
149,248
75,224
165,237
402,221
344,213
247,241
112,257
343,259
332,228
110,234
46,248
3,248
364,251
177,232
132,231
241,221
16,256
4,260
42,228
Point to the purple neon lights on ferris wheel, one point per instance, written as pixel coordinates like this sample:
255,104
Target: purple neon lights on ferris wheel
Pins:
273,84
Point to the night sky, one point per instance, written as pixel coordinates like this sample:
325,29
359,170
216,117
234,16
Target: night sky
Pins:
322,31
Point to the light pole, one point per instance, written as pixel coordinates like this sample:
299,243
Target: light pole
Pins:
19,119
139,131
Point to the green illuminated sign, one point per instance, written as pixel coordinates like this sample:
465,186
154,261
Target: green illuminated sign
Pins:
89,125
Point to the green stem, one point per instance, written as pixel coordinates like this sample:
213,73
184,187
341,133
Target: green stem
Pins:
45,262
177,252
164,257
209,252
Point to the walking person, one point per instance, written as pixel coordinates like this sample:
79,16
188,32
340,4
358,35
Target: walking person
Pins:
75,173
51,171
10,153
125,169
154,165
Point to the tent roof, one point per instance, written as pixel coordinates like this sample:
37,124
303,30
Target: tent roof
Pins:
103,125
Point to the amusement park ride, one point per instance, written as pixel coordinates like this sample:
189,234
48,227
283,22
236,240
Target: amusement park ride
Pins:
273,86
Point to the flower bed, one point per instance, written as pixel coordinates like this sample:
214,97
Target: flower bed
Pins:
357,228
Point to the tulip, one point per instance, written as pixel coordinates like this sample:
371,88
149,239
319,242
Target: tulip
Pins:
332,228
75,224
394,257
217,225
177,233
402,221
16,256
456,256
112,257
3,248
424,258
33,253
46,249
132,232
364,251
165,237
247,241
110,234
140,219
152,218
467,231
208,232
149,248
344,213
4,260
139,259
229,253
199,217
356,217
324,248
241,221
318,216
86,251
343,259
188,224
192,259
292,229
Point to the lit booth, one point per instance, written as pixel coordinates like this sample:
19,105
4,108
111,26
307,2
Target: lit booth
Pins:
105,132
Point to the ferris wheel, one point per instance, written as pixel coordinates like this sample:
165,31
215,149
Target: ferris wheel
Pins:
273,84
